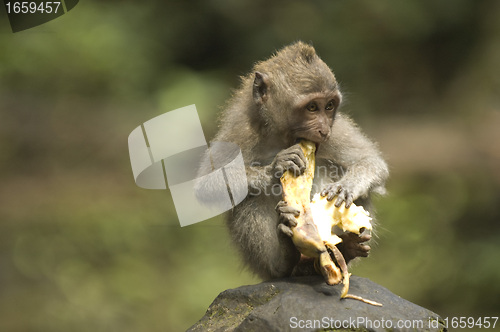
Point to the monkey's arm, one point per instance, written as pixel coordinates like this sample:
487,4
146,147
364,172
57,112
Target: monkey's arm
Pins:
364,168
260,178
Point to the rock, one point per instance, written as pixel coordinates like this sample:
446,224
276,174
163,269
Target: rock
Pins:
309,304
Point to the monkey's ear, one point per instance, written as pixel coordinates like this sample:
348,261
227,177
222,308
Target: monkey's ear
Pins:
260,85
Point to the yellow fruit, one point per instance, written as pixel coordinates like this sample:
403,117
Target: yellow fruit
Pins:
313,233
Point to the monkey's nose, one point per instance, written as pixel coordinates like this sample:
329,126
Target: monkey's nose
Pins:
323,134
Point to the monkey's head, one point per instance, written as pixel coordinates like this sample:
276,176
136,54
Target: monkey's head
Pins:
296,94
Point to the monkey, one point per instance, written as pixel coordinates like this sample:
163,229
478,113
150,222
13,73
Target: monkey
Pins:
293,95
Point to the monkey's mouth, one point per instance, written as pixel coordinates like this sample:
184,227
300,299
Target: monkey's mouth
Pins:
317,147
299,139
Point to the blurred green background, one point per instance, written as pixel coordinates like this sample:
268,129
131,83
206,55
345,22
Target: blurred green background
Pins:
83,249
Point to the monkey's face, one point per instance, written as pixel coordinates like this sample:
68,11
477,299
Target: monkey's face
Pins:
313,116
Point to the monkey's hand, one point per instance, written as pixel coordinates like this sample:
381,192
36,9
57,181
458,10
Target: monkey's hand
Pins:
343,191
291,159
352,245
287,217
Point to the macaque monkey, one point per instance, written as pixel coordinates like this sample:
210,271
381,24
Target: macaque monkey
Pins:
292,96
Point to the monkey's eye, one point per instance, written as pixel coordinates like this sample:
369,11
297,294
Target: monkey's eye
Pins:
312,107
330,106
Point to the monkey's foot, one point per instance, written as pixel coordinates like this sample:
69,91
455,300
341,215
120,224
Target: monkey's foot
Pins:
305,267
352,245
287,215
343,267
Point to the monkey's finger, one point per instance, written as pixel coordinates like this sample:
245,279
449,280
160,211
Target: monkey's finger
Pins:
348,200
353,242
287,214
331,191
356,239
364,238
292,167
278,171
285,230
285,209
363,251
291,221
298,150
350,237
280,204
357,250
302,158
296,159
344,196
341,198
288,219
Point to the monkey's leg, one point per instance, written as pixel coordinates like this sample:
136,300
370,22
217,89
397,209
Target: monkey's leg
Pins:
305,267
287,217
266,250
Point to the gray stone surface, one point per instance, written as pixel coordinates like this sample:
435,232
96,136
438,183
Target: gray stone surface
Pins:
308,304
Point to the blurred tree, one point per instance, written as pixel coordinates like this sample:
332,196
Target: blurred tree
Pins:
82,248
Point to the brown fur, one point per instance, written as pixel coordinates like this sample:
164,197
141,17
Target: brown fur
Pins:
263,118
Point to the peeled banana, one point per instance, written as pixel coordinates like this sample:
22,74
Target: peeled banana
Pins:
313,235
